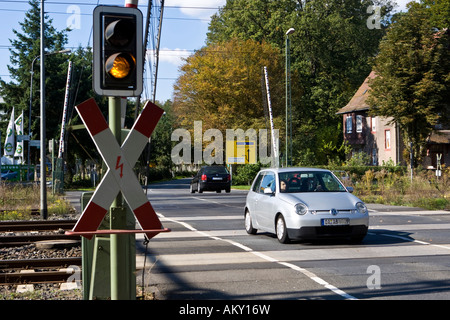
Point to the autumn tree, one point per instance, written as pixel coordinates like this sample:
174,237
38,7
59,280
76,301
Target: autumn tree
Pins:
329,59
413,75
221,86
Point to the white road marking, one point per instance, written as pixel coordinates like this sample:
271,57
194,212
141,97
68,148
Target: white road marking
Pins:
244,255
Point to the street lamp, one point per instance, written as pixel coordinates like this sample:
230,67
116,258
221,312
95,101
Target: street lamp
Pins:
288,101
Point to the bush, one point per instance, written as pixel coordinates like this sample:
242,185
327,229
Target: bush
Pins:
380,185
245,174
158,173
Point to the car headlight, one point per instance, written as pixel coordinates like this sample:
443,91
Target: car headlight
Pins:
301,209
361,208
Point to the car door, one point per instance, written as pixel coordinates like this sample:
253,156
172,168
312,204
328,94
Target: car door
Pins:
253,198
265,203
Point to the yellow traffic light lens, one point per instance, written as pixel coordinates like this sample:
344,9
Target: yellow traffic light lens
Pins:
120,65
121,68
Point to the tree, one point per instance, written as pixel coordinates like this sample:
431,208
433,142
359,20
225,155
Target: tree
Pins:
16,93
259,20
329,58
413,75
221,85
161,138
25,48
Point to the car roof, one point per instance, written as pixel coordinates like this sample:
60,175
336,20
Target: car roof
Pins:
291,169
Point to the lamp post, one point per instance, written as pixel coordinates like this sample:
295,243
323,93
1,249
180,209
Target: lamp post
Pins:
288,101
43,182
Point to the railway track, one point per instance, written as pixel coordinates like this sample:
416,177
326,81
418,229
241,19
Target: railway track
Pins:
19,233
31,271
36,225
20,237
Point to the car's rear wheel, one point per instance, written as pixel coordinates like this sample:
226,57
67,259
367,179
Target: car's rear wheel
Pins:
199,188
248,223
281,230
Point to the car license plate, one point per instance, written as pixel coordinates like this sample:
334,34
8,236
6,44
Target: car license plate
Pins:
335,222
217,178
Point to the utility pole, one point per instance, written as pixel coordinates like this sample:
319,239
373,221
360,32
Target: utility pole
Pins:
43,182
288,101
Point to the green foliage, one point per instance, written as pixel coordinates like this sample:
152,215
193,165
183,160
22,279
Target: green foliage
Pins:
413,75
16,93
329,60
359,159
393,185
17,202
245,174
161,144
26,47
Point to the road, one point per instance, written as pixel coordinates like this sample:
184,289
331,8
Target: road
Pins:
208,254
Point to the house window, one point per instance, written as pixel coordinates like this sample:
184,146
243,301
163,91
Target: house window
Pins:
373,123
359,123
387,139
349,124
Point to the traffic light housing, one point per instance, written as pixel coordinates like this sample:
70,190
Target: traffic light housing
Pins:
118,51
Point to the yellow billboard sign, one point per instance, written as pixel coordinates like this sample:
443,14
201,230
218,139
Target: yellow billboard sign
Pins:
241,152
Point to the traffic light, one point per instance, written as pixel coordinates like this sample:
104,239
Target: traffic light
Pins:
118,52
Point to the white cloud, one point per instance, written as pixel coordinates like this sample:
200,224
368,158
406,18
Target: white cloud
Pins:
401,5
202,9
172,56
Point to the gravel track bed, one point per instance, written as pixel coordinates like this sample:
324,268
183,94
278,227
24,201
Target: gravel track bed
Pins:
50,291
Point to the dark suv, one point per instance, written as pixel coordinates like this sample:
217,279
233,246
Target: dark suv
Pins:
211,178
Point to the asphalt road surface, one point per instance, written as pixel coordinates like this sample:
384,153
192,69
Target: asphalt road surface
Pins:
208,254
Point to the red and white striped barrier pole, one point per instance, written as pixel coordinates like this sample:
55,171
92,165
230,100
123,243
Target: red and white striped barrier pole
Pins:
131,3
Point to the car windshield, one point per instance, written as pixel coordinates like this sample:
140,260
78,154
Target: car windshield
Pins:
309,181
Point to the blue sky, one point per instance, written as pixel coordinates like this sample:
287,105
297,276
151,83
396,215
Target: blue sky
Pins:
184,29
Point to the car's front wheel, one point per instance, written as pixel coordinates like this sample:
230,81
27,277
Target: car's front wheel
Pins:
281,230
248,223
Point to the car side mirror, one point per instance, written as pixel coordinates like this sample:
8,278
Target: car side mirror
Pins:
268,191
350,189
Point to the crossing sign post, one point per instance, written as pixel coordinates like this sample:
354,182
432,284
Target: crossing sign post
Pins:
120,175
118,180
117,72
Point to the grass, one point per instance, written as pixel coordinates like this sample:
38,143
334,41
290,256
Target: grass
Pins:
17,202
424,190
393,188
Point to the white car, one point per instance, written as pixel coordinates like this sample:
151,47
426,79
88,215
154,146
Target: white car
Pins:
304,203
